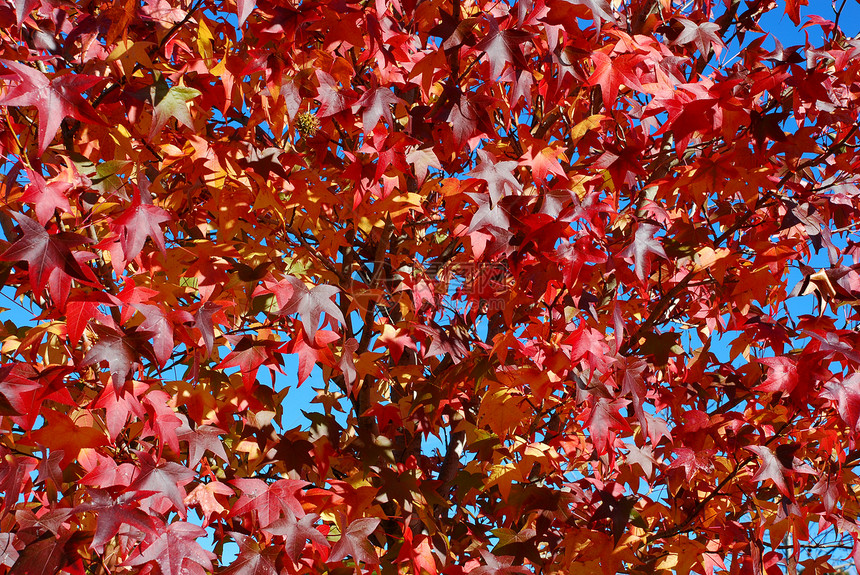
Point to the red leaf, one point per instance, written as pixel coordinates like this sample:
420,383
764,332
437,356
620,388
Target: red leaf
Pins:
463,118
603,419
503,47
311,303
377,104
498,176
46,197
176,551
644,243
201,439
252,560
244,9
78,315
354,543
692,461
609,73
161,422
702,34
205,319
48,258
395,340
297,533
204,496
310,355
782,375
248,355
113,513
846,393
44,556
332,100
161,329
136,224
792,8
121,351
419,554
770,468
55,99
267,501
498,566
165,478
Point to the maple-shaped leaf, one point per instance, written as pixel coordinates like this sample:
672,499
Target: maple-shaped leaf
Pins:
122,352
644,243
205,495
46,197
702,35
311,303
543,162
176,551
610,73
498,566
771,468
138,222
49,260
347,363
354,543
503,47
421,160
446,340
54,99
112,513
395,340
249,354
16,387
62,433
161,421
603,419
117,408
160,327
44,556
297,532
846,393
170,102
488,214
498,176
164,478
464,119
782,374
332,100
692,461
376,103
267,500
252,560
201,439
50,469
643,457
310,355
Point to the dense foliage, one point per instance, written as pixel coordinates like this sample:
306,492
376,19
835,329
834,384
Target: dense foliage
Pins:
538,257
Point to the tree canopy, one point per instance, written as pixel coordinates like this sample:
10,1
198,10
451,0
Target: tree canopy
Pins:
575,283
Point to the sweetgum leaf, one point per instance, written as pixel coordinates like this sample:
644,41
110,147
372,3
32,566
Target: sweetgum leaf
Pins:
176,551
54,99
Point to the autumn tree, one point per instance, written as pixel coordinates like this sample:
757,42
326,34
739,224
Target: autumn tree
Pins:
576,284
